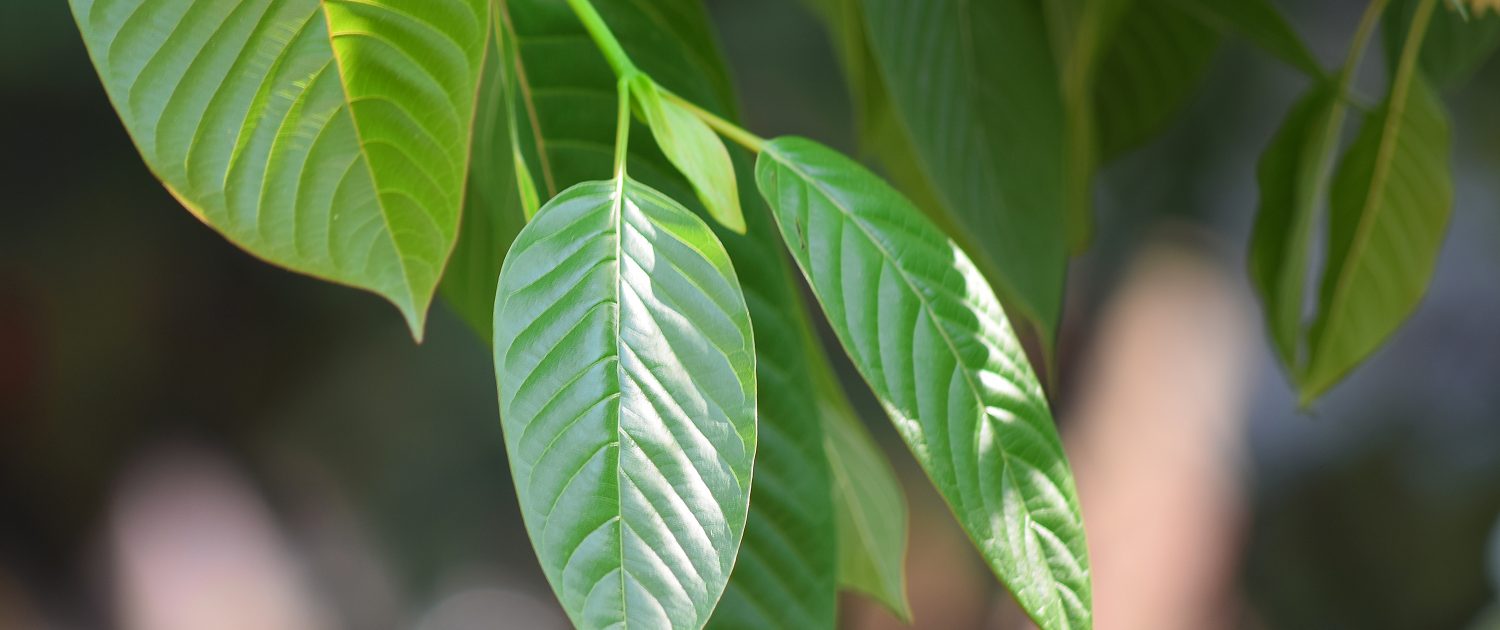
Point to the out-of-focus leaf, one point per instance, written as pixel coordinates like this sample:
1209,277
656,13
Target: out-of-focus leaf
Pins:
626,370
786,573
1293,178
1259,22
975,85
329,137
695,150
1388,213
1155,61
499,195
927,334
868,501
1453,47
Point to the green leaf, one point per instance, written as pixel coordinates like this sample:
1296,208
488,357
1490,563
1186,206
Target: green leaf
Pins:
1453,48
1262,24
868,500
695,150
500,197
786,573
1388,213
626,369
329,137
1293,173
975,86
927,334
1156,59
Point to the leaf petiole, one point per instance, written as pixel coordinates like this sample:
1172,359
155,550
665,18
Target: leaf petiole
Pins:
622,131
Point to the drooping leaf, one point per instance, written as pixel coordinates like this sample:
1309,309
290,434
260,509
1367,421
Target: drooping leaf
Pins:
1154,63
695,150
1293,178
1452,49
975,85
626,368
500,193
1262,24
926,332
786,573
868,501
1388,214
329,137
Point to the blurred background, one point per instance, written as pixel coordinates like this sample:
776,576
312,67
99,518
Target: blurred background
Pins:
190,439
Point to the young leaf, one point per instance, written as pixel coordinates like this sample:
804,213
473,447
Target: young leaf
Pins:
330,137
868,500
695,150
1292,175
626,369
975,85
927,334
1388,212
787,569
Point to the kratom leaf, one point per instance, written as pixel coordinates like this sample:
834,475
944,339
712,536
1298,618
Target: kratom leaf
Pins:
329,137
695,150
626,369
1156,59
500,193
786,573
1262,24
1293,177
868,501
975,86
927,334
1453,48
1388,213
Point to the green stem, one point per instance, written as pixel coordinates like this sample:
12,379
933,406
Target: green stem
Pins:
622,132
1361,40
604,38
733,132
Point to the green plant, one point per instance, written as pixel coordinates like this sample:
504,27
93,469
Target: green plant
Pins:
555,169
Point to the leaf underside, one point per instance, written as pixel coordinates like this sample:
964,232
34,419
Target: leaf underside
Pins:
927,334
329,137
625,362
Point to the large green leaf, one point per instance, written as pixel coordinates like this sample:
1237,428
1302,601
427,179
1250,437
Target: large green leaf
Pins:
626,370
1293,173
926,332
976,88
1453,48
1388,213
786,573
330,137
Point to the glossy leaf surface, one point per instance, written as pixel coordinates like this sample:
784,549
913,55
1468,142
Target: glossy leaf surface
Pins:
926,332
626,368
329,137
786,573
975,86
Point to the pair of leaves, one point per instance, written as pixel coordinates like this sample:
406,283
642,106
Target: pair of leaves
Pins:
1389,203
329,137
